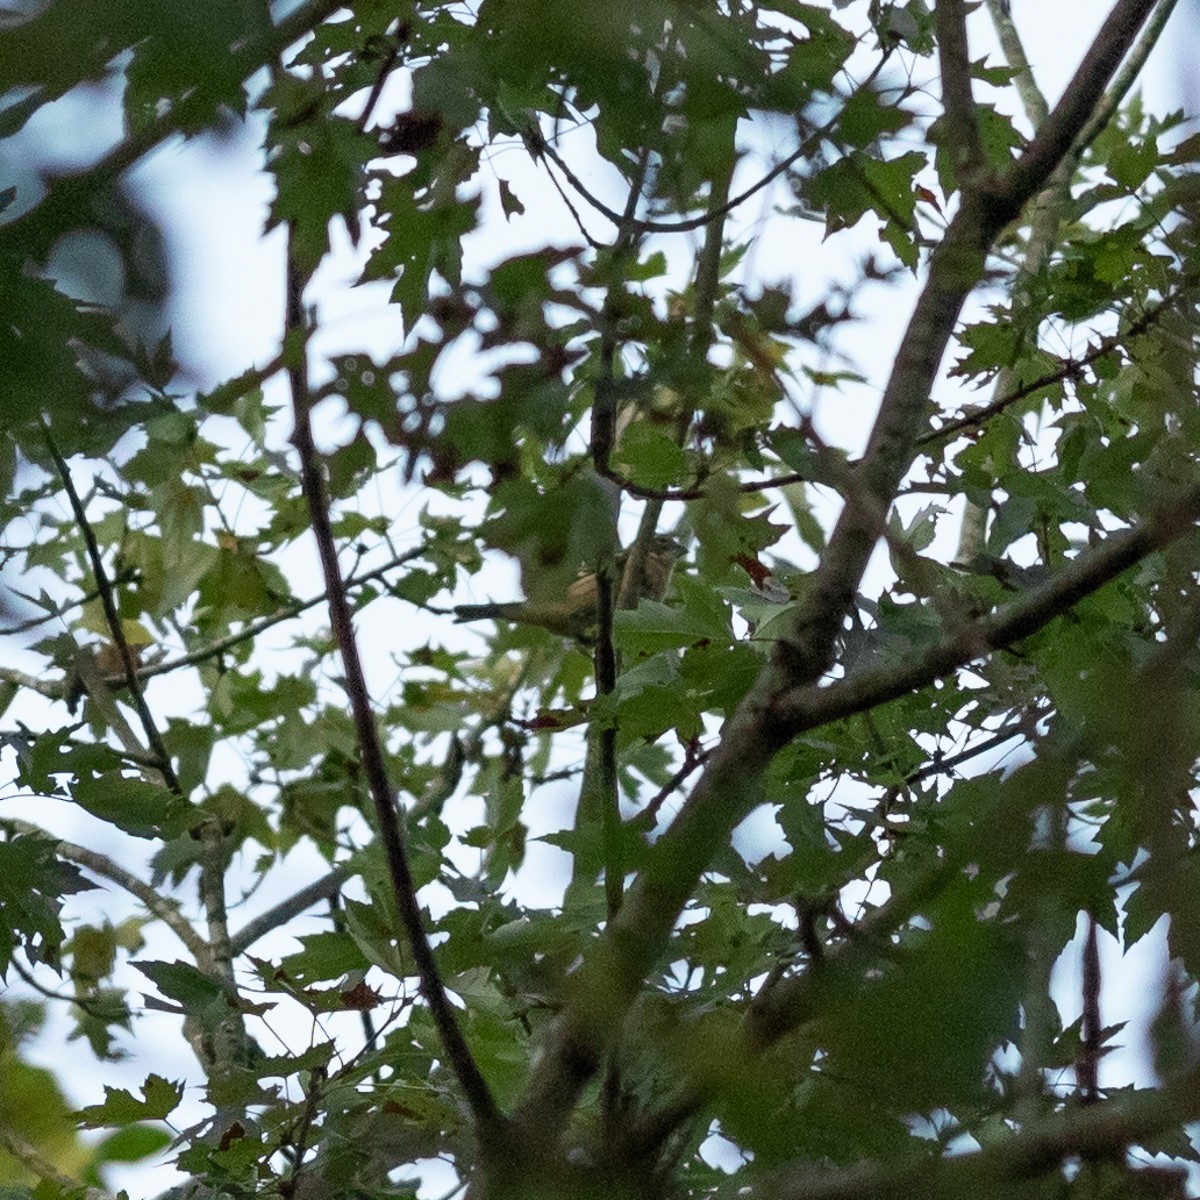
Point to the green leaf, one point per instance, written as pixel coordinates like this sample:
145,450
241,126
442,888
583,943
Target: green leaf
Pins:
33,884
159,1099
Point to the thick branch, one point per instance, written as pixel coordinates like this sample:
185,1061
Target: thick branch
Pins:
782,699
228,1042
954,59
728,790
1078,104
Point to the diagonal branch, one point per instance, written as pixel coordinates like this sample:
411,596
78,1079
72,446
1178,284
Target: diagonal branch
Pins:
1079,101
488,1119
113,619
782,699
1070,369
284,613
328,886
32,233
31,1158
162,907
808,706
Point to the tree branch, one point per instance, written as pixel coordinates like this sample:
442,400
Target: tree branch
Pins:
56,689
599,806
729,789
33,232
1079,102
954,59
478,1095
158,905
113,619
229,1037
782,700
539,146
327,886
1069,370
60,610
285,613
1107,1129
1032,99
806,707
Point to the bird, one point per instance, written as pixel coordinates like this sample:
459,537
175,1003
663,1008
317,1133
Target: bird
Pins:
574,613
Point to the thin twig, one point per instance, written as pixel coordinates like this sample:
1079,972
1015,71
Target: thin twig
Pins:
55,689
1091,1032
61,610
285,613
539,146
475,1088
84,1003
692,759
599,789
112,618
1071,369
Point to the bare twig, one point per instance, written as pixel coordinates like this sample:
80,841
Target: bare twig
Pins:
693,758
84,1003
285,613
599,801
56,689
61,610
538,146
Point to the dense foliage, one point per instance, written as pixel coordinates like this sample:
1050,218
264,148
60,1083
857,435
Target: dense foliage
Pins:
943,654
